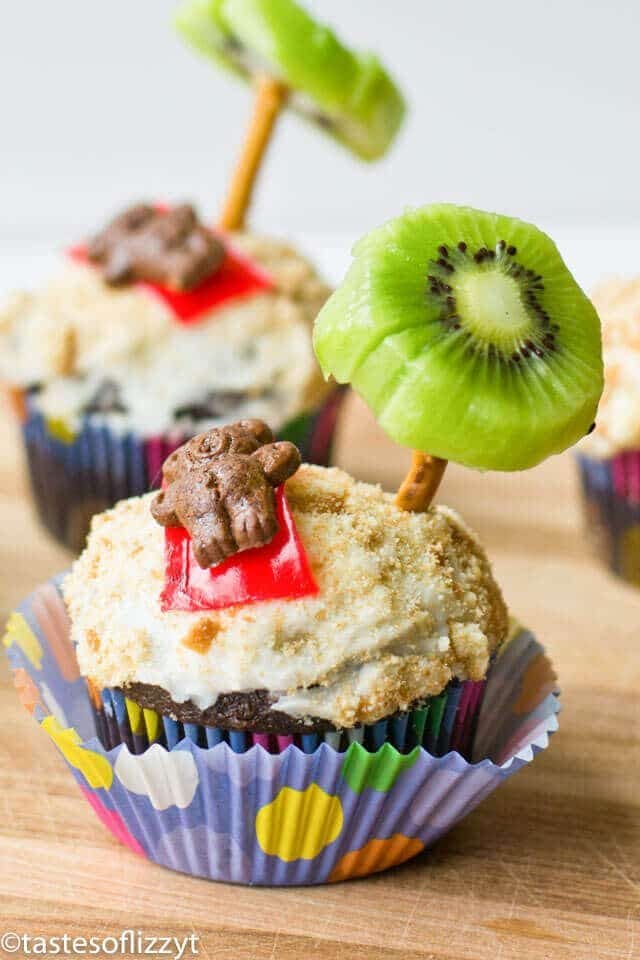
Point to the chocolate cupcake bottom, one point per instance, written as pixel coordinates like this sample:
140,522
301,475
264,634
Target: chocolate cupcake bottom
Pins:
75,476
443,723
611,500
276,818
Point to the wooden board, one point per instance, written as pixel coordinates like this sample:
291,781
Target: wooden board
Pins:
547,867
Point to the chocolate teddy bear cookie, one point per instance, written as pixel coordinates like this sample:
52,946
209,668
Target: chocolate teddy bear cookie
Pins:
169,247
219,486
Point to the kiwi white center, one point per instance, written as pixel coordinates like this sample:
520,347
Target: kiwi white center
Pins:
490,301
492,306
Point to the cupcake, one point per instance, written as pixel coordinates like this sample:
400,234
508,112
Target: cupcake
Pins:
298,678
160,326
609,458
111,370
295,610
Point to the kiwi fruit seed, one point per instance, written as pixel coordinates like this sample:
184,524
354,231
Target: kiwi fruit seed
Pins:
468,336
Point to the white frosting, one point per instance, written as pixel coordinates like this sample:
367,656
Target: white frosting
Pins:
259,345
406,602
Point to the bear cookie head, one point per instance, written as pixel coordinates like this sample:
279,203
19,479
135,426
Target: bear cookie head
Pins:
169,247
220,487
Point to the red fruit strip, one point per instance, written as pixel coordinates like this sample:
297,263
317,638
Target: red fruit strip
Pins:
278,571
236,277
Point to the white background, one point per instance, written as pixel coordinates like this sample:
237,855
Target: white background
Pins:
528,108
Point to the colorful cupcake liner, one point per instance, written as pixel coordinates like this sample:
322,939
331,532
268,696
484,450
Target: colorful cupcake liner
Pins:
611,497
277,818
75,476
443,723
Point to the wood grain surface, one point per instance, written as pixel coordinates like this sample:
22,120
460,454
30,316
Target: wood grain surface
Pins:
547,867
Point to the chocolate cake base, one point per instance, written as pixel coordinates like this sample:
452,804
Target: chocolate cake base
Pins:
244,720
231,711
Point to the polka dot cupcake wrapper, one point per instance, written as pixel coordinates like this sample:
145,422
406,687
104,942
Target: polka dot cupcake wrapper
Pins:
74,476
611,498
287,817
443,723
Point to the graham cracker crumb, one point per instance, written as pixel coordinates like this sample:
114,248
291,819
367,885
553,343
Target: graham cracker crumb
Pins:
201,635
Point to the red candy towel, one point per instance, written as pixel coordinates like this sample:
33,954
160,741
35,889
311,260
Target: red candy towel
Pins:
278,571
236,277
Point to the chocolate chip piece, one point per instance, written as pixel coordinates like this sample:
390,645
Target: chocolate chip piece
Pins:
168,247
216,403
106,399
219,487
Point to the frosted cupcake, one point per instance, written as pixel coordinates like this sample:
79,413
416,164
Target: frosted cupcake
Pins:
133,347
392,614
609,459
320,676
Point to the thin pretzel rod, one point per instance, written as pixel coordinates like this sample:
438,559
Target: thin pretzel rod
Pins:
270,97
421,483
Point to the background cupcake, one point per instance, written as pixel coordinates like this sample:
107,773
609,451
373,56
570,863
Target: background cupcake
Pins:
162,327
609,459
109,376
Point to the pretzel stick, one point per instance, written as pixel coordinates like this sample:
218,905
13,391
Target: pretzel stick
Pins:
270,97
421,483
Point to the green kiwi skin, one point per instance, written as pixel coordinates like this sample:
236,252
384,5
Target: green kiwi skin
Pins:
349,95
429,392
201,24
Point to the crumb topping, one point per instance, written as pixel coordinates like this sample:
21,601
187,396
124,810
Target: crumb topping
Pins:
202,635
406,603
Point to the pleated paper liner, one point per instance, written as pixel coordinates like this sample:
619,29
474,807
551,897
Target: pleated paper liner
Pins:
281,818
611,499
74,476
443,723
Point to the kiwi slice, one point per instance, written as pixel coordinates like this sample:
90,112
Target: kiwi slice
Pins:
202,24
468,337
348,95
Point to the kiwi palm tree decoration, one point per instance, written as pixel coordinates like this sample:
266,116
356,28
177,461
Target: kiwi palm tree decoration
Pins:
291,60
468,337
